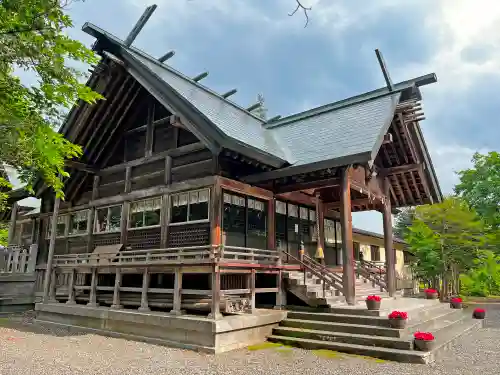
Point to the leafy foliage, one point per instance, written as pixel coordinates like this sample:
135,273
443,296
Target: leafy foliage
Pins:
32,38
479,186
445,239
484,278
402,221
4,234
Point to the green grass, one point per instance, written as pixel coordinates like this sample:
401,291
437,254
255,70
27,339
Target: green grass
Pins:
264,345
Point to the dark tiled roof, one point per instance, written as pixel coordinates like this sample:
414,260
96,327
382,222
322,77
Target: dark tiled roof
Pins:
353,126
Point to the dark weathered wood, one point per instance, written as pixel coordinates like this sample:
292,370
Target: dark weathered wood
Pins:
216,214
124,222
128,180
71,288
81,166
347,247
116,290
139,25
216,294
93,289
242,188
150,129
390,255
12,223
298,186
401,169
271,224
144,293
176,310
168,170
50,256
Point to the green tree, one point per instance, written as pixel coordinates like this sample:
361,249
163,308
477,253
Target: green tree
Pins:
484,278
4,233
445,239
479,186
33,38
402,221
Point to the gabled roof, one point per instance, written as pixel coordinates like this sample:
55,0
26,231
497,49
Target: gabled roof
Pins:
348,131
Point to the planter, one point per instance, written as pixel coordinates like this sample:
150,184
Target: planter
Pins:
479,314
431,295
372,304
424,345
456,305
397,323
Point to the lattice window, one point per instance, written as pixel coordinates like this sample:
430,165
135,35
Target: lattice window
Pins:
107,239
108,219
78,222
146,213
62,221
189,235
144,238
329,231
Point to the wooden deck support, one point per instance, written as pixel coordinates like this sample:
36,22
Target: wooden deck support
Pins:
116,290
71,288
93,289
347,247
390,254
176,310
215,285
50,256
144,293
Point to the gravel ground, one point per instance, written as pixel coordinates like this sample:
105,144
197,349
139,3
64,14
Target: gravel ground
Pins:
28,349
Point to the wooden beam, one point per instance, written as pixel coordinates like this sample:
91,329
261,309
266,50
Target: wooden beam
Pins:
299,186
242,188
50,256
384,69
150,129
81,166
12,224
347,246
139,25
390,254
354,202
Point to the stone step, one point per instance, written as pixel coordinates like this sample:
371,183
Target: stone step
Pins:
361,329
344,337
340,318
409,356
442,318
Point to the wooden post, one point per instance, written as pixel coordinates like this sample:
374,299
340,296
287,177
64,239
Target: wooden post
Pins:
50,257
144,294
71,288
320,230
116,290
252,290
12,224
91,217
150,127
216,215
347,247
271,224
176,310
390,255
53,286
215,285
93,289
280,296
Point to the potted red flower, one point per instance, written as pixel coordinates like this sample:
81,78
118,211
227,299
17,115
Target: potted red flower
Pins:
479,313
456,303
373,302
431,293
424,341
398,319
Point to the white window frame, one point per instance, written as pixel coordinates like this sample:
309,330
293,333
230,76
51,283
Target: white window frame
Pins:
94,226
141,201
189,192
68,222
65,218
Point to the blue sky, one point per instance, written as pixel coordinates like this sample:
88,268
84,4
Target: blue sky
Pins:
253,45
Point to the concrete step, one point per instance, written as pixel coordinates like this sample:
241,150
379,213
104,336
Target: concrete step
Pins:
340,318
442,318
408,356
343,337
342,327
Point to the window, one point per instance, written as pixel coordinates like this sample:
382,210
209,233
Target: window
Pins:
61,226
78,222
145,213
189,207
375,253
108,219
355,246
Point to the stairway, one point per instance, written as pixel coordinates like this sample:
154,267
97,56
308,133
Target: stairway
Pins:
310,290
356,330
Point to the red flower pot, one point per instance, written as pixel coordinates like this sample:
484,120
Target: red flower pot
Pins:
424,341
397,323
479,314
373,302
456,303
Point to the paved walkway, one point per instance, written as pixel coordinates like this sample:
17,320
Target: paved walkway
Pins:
32,350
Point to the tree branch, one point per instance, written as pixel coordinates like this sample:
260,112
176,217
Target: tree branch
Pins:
304,9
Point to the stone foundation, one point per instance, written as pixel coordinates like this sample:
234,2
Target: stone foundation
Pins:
186,331
16,292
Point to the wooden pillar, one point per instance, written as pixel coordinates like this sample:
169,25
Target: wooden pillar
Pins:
320,229
144,293
91,218
216,215
252,290
71,288
116,290
215,285
93,289
346,230
280,295
53,286
176,310
12,224
50,257
390,255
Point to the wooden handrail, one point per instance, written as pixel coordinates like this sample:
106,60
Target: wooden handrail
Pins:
323,268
